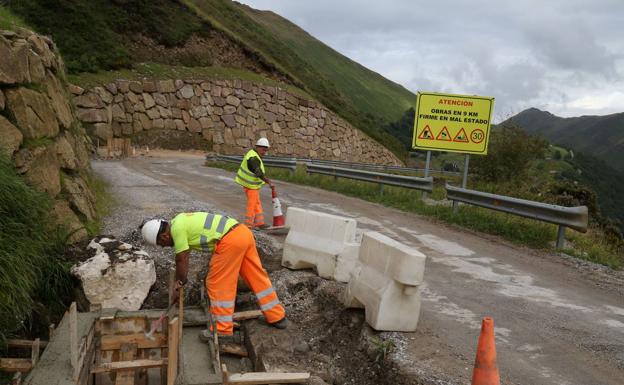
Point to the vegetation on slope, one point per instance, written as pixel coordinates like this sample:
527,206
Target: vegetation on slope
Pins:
8,20
97,35
92,35
598,136
34,282
361,96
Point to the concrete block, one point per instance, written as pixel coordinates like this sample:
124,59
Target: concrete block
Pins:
321,241
385,283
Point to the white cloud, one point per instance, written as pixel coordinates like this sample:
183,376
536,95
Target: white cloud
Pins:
566,56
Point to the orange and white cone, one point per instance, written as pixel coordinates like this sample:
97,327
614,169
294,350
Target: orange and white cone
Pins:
485,369
278,217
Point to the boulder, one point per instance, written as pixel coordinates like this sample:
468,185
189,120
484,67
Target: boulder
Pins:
13,63
106,96
2,100
75,90
41,46
59,99
89,100
102,130
44,170
80,143
36,70
32,111
65,153
187,91
65,217
118,275
80,197
10,137
93,115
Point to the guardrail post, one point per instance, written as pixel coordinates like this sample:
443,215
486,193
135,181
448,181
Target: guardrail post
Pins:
560,237
427,164
381,188
464,182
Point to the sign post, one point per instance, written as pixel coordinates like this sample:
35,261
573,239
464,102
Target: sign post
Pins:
452,123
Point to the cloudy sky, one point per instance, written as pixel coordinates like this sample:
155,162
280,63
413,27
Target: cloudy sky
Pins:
563,56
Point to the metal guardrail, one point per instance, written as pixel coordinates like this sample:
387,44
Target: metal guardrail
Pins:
338,163
411,182
287,163
575,218
375,167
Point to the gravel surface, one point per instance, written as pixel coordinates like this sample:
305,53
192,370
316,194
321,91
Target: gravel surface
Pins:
557,320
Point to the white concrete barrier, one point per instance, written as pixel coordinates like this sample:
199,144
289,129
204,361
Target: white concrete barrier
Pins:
385,282
321,241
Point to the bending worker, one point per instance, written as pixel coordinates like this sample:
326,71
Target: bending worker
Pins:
251,176
234,253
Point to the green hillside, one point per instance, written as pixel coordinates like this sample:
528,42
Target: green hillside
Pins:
98,35
361,96
598,136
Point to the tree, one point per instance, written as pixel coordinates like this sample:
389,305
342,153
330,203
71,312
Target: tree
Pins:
509,154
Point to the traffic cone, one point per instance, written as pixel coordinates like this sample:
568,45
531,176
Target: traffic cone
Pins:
278,217
485,369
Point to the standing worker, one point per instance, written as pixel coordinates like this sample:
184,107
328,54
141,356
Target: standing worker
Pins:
251,176
234,252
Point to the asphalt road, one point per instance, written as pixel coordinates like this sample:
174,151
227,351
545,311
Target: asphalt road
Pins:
557,321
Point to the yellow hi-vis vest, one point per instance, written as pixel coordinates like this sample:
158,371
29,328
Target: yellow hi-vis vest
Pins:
245,177
199,230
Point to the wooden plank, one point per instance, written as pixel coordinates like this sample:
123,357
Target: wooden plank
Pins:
173,345
24,343
15,364
245,315
73,340
181,311
114,342
34,353
125,365
258,378
108,314
127,353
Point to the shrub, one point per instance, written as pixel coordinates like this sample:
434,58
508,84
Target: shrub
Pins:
33,280
510,152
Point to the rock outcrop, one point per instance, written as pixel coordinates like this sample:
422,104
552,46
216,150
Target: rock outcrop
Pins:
39,130
229,114
118,275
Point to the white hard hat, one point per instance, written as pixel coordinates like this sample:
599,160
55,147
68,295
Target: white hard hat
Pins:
263,142
150,229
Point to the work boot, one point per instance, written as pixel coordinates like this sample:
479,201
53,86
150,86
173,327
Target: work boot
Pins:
281,324
233,339
263,226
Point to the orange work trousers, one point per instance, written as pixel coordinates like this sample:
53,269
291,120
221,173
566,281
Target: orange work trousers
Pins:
254,216
236,254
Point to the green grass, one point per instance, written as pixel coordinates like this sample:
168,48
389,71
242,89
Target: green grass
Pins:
34,282
515,229
362,97
156,71
104,201
95,34
10,21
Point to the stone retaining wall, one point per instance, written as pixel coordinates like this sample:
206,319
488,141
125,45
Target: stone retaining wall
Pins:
38,128
230,115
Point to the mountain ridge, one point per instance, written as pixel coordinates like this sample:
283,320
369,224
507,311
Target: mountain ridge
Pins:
601,136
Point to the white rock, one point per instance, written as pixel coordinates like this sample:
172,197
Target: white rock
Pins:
120,278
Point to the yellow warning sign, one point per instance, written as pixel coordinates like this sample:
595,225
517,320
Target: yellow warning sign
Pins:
456,123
